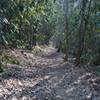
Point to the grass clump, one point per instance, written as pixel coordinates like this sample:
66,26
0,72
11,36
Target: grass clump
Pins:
37,50
8,58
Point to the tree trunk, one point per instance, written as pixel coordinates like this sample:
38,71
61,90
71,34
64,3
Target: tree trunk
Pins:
1,49
84,18
66,29
81,33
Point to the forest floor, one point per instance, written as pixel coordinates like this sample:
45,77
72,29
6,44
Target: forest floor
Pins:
48,77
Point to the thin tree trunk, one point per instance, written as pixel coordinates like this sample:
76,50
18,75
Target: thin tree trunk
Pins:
1,50
81,33
66,30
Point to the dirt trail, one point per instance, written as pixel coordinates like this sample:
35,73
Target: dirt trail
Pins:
47,78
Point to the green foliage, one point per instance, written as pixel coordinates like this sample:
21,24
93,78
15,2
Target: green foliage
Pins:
20,14
41,38
25,23
8,58
37,50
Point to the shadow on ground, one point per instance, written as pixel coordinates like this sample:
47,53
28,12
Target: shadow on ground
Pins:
56,81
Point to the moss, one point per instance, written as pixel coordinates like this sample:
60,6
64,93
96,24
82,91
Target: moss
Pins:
8,58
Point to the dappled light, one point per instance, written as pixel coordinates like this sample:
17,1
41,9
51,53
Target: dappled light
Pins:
57,81
49,50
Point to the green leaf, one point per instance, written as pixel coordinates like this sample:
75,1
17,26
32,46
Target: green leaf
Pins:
4,40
